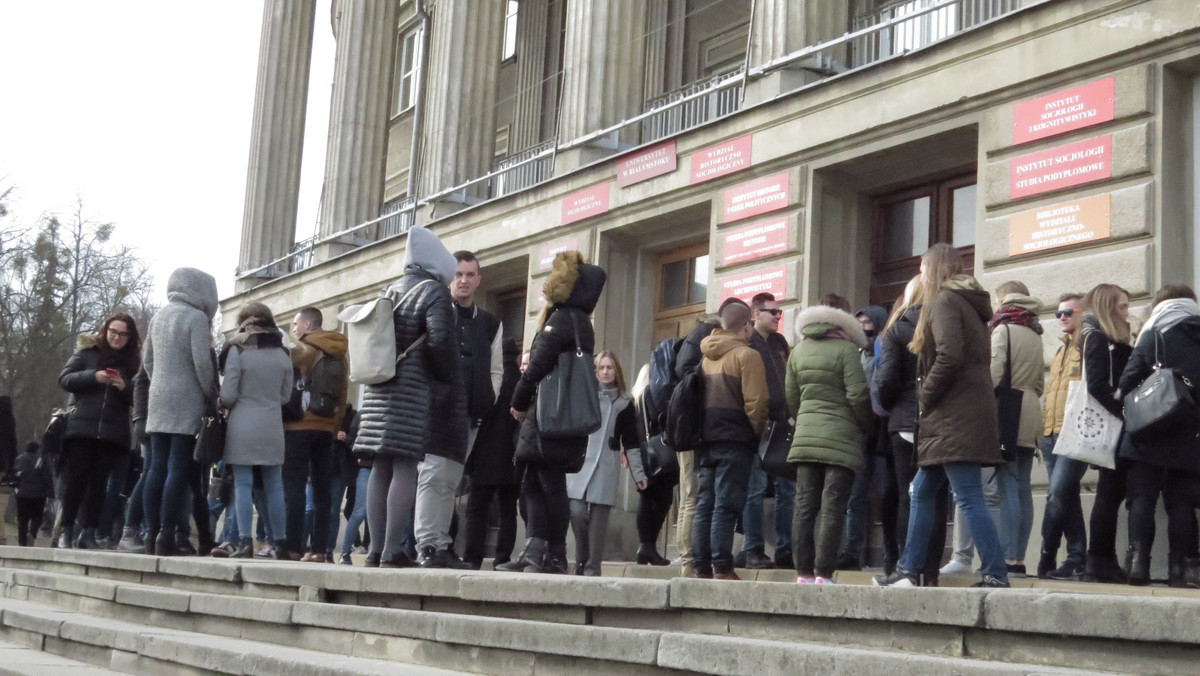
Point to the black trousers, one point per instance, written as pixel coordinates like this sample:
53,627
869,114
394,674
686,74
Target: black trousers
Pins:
89,462
1110,493
308,454
549,510
1179,490
29,518
653,505
479,502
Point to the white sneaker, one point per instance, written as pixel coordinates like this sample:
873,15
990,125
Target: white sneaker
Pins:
823,580
955,568
807,580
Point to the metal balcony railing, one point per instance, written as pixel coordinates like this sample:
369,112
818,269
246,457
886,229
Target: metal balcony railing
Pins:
691,106
911,25
400,216
523,169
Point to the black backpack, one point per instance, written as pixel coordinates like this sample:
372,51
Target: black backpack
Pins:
326,384
684,424
662,383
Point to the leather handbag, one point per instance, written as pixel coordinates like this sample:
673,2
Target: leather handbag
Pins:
1090,433
774,447
1008,406
1162,405
658,460
568,398
210,441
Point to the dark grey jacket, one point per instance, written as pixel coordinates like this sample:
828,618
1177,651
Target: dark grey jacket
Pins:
896,375
101,411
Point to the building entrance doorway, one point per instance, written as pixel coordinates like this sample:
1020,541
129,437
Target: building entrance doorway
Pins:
681,289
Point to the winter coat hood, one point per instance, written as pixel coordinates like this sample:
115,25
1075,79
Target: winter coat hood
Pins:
330,342
573,282
1022,301
426,252
970,290
193,287
876,314
720,342
822,322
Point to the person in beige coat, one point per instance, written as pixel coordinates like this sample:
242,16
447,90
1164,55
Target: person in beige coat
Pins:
1017,348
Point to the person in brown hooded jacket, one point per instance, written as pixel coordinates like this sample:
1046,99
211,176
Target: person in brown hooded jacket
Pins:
308,442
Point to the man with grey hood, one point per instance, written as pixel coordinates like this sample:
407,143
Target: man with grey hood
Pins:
423,409
179,362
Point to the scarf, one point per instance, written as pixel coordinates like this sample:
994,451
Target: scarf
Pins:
1167,314
1015,314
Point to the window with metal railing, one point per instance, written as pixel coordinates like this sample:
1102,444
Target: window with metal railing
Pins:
924,28
711,101
400,216
523,169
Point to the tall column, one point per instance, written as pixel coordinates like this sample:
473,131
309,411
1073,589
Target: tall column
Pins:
782,27
277,137
460,114
657,15
603,67
533,24
358,116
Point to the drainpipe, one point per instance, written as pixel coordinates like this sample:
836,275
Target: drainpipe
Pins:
414,154
749,51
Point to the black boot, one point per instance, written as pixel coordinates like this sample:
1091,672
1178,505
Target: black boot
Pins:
164,544
1176,571
1104,568
86,539
66,538
148,544
1046,564
555,560
647,553
183,543
529,560
1139,565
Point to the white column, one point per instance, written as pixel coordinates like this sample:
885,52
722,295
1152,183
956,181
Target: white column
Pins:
782,27
277,136
533,22
603,66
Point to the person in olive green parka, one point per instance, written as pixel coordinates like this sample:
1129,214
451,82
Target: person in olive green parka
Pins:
827,394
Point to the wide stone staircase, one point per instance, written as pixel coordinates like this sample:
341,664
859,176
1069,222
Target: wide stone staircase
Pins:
86,612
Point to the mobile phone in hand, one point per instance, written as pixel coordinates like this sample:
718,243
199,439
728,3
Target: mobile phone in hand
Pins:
112,373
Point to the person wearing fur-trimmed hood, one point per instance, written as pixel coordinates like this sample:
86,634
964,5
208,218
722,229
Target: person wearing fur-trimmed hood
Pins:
826,392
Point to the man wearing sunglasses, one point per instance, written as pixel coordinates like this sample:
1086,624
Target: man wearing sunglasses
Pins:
1061,519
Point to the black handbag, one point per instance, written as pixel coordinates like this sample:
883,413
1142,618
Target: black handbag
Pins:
1008,406
210,441
773,449
1162,405
658,460
568,398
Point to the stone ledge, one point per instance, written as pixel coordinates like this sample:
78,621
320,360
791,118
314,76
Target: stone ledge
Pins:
566,590
26,553
753,657
193,566
959,607
242,608
1157,619
601,643
384,621
97,588
105,559
30,617
20,660
153,597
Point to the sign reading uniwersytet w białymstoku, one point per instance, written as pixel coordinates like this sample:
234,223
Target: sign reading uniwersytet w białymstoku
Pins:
647,163
1076,222
1061,167
1064,111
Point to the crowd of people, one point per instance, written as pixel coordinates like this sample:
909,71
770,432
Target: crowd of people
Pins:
906,406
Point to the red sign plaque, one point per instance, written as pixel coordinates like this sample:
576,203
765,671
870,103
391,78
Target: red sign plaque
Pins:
647,163
719,160
1064,111
1061,167
760,196
755,241
745,285
580,205
549,250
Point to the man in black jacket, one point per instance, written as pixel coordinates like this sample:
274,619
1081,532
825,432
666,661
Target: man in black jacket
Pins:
479,336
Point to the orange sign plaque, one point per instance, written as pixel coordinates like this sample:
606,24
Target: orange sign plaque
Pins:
1058,225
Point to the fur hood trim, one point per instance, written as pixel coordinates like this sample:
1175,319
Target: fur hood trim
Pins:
563,275
823,314
86,341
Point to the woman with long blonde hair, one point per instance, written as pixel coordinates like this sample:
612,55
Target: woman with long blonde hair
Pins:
957,413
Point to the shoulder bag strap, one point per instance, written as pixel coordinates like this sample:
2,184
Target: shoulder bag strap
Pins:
575,330
1007,382
421,338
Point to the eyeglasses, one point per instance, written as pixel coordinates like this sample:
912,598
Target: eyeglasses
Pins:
119,334
1064,313
774,313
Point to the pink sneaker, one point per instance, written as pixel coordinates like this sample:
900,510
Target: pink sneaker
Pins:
823,580
806,580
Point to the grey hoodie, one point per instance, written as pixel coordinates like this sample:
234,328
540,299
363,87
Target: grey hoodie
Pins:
178,356
426,251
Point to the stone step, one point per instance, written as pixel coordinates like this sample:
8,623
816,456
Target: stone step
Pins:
437,609
19,660
123,647
498,645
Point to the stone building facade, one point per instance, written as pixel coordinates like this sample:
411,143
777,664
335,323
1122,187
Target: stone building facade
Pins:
704,148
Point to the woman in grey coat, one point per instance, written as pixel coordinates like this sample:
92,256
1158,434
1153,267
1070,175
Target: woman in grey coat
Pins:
257,382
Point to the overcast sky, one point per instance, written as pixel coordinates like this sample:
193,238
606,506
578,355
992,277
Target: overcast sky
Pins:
144,109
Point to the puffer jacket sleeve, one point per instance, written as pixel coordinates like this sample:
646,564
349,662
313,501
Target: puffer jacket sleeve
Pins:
889,378
1138,368
554,339
441,355
78,376
141,393
857,394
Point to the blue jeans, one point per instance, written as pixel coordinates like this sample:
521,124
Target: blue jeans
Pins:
165,494
965,482
724,475
113,494
878,471
243,489
1064,511
1016,504
752,515
360,509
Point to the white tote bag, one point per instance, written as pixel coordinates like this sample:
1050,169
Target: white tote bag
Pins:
371,335
1089,433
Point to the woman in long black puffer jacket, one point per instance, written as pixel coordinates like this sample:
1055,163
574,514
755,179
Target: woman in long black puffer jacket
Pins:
571,292
99,377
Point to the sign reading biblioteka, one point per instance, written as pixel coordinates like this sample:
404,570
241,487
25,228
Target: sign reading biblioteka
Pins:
578,206
647,163
759,196
755,241
549,250
719,160
745,285
1062,167
1076,222
1064,111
